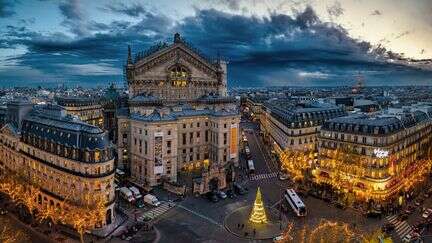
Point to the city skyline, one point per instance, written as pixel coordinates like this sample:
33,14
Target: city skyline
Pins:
270,43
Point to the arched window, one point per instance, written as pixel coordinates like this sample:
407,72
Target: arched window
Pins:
179,76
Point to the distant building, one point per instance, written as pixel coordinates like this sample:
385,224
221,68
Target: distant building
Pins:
87,109
366,105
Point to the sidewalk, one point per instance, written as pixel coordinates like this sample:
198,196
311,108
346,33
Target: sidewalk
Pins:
108,230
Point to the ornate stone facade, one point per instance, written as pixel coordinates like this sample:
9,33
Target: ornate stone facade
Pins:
179,115
63,157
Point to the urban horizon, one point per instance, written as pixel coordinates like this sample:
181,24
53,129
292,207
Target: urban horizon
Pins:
237,121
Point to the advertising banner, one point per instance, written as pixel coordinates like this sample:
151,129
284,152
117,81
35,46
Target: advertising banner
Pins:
233,141
158,165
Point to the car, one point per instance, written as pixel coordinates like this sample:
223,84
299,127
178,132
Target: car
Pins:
388,227
239,189
340,205
230,193
139,203
409,210
417,203
427,213
410,237
279,238
212,197
283,176
221,195
3,211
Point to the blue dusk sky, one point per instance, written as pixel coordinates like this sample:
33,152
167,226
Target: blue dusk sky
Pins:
267,43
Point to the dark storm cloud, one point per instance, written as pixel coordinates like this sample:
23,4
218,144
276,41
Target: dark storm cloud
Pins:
74,17
278,49
134,9
6,8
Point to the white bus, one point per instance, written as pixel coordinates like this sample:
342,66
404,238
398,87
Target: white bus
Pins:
251,166
295,202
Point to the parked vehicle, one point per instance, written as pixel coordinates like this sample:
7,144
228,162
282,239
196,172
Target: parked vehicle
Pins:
127,194
152,200
251,166
283,176
230,193
120,175
410,237
3,211
409,210
374,213
116,187
136,192
388,227
212,197
221,194
239,189
139,203
427,213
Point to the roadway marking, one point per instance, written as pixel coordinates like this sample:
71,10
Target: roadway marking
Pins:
200,215
402,228
263,176
155,212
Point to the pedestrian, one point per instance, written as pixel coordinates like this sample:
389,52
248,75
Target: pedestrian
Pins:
254,232
238,226
242,226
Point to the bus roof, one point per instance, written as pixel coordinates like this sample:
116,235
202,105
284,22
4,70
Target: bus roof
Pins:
295,198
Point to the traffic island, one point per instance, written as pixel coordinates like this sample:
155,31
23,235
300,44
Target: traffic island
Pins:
255,222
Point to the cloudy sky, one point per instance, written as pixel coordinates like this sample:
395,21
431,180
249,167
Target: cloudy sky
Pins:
286,42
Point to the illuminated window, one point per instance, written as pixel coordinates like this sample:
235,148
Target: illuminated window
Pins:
179,76
97,155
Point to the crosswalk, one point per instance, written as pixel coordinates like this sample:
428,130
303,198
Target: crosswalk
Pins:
402,228
263,176
156,212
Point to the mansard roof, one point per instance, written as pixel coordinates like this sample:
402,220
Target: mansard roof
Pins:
50,122
292,115
159,115
375,125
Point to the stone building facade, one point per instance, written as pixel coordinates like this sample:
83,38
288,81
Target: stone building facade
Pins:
376,157
179,116
61,156
290,125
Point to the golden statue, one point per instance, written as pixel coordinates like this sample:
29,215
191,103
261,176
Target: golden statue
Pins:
258,214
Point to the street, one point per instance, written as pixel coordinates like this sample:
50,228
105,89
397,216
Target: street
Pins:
195,219
202,220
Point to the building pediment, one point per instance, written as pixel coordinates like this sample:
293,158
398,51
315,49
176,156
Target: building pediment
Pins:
178,53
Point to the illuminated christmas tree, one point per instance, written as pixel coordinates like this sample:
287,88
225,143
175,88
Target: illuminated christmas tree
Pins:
258,214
